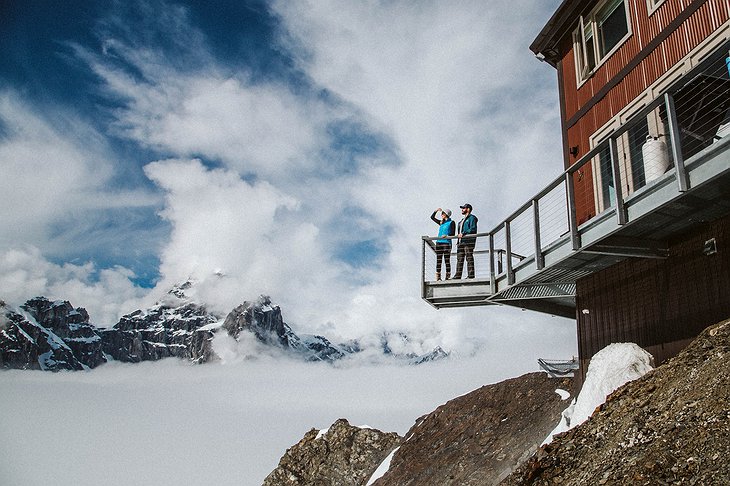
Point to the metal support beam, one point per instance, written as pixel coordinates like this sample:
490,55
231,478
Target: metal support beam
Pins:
423,267
492,275
618,187
539,258
676,139
508,243
630,247
544,306
572,215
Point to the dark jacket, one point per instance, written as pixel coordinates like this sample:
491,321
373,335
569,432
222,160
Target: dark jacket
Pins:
468,226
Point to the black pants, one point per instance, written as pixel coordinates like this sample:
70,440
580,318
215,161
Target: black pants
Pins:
465,251
443,251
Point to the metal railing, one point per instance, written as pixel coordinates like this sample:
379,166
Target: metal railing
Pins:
490,260
652,145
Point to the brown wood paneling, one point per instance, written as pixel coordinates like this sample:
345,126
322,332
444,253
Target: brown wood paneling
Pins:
644,30
598,110
654,66
570,90
657,303
635,84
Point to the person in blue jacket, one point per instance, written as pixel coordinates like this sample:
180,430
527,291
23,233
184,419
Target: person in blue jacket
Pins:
467,228
443,245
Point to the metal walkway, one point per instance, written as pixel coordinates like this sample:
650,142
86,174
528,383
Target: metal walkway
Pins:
534,257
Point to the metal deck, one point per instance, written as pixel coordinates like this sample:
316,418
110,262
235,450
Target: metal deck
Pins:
533,258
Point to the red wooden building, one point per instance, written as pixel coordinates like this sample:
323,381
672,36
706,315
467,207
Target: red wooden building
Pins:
633,239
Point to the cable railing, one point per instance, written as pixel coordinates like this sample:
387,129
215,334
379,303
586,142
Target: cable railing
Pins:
653,147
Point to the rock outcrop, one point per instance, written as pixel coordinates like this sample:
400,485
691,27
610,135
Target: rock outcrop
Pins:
672,426
342,455
475,439
48,335
480,437
264,320
172,328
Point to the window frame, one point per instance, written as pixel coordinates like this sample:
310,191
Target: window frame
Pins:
653,5
591,22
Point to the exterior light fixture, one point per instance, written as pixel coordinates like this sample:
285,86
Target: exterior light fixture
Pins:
710,247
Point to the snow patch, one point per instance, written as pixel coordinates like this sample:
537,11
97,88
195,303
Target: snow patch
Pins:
322,433
383,468
564,395
609,369
212,326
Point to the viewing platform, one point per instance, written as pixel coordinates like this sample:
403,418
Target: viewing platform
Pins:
657,174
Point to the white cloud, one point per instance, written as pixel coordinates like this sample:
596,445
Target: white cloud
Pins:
223,424
106,293
56,176
201,107
238,239
45,172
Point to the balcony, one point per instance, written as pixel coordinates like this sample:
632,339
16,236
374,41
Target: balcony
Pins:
658,174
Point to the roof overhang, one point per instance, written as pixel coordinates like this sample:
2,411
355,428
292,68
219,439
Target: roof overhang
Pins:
546,44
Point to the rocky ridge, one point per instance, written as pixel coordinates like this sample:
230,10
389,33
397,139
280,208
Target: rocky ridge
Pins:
53,335
48,335
342,454
672,426
182,330
478,438
264,320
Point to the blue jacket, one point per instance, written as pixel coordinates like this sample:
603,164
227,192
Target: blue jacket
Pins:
447,228
468,226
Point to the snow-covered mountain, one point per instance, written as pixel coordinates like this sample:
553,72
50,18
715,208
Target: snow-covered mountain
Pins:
48,335
264,320
53,335
174,326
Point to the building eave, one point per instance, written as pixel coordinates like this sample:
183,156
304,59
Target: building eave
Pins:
545,45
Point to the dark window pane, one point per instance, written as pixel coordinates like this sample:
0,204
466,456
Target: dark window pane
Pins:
591,52
612,28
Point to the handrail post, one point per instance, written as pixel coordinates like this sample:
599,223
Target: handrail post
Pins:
676,137
617,186
539,258
423,267
572,214
508,243
492,276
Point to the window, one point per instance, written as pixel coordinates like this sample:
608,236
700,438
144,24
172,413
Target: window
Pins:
653,5
599,34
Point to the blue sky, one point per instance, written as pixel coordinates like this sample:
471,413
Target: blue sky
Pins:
43,63
288,148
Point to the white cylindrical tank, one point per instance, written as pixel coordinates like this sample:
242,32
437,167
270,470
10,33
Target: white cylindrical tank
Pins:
656,158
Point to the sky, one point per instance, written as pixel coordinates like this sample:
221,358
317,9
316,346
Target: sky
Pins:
288,148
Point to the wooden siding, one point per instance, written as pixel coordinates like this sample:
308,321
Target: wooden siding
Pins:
645,28
658,304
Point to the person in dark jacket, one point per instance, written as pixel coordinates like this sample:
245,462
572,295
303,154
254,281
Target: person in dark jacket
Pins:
443,245
467,241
